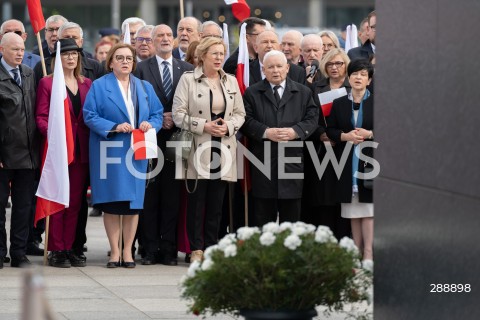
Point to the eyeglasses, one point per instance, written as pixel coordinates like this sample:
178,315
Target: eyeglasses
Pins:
123,58
20,33
67,55
337,64
141,39
328,45
52,30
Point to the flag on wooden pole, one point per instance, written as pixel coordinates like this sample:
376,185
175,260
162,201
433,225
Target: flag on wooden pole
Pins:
36,15
240,9
54,188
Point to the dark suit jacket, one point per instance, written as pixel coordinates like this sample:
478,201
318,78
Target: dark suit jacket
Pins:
296,110
149,70
295,73
91,69
79,129
340,120
230,65
176,54
363,52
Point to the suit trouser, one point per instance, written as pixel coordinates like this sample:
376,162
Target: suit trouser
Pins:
20,182
266,210
160,210
63,224
204,211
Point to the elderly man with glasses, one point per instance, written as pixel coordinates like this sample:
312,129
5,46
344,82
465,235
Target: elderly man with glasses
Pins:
52,24
17,27
144,43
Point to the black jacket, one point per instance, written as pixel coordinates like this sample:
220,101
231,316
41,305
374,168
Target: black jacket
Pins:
296,110
19,138
362,52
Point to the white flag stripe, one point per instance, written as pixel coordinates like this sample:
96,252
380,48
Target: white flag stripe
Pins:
226,40
329,96
229,2
243,57
54,181
126,36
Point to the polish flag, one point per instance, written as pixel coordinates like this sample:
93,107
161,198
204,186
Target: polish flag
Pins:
54,188
144,144
126,35
36,15
226,41
240,9
326,99
243,70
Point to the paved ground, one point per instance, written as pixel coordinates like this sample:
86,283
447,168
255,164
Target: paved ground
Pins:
95,292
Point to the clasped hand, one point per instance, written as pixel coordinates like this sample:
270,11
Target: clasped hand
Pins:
281,134
216,128
127,127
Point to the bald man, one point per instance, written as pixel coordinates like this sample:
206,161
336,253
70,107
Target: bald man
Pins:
16,26
188,30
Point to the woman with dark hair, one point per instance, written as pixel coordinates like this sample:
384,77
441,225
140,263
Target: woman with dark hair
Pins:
350,126
63,224
117,104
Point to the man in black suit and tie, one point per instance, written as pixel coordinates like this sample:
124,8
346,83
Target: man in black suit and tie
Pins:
278,110
268,41
158,221
367,50
188,30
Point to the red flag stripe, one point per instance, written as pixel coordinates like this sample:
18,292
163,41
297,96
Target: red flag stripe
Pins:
36,15
140,152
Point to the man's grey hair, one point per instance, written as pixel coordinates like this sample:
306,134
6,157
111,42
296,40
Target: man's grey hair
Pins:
311,36
69,25
2,27
132,20
55,18
274,53
211,23
199,23
148,28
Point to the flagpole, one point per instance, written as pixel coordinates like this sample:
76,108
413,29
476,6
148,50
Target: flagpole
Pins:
182,13
47,228
245,192
39,41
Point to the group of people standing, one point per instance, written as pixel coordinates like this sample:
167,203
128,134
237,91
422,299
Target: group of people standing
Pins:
182,83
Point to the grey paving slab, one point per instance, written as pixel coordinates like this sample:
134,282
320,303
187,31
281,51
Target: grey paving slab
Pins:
145,292
105,315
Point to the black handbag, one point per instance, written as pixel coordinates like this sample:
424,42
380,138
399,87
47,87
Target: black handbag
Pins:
183,136
367,183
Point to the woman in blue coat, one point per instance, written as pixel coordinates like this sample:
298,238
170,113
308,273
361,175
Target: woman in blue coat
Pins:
116,104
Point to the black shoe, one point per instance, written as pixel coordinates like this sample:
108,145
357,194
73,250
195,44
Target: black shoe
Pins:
33,249
75,260
187,257
113,264
1,263
59,259
6,260
149,259
168,259
80,253
95,213
129,265
21,262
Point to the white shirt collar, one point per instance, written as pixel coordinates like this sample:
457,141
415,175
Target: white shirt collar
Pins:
160,60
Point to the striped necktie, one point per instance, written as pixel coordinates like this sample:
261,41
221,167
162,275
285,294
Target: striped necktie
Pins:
16,77
167,80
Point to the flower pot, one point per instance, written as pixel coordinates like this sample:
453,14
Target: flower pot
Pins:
278,314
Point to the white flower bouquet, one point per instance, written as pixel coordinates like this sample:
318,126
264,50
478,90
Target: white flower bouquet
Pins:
291,266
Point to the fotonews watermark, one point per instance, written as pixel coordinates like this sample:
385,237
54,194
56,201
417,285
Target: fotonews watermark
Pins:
214,160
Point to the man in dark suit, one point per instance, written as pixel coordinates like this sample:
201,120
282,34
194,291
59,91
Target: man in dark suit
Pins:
367,50
158,222
268,41
254,27
19,154
188,30
16,26
278,110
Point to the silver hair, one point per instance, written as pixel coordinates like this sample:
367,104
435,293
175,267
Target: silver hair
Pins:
70,25
55,18
211,23
311,36
331,35
148,28
132,20
2,27
274,53
199,24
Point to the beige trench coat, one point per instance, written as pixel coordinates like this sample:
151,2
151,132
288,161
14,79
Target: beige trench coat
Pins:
192,100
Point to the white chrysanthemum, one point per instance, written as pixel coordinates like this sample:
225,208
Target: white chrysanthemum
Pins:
285,226
310,228
367,265
292,242
230,251
267,238
348,245
207,264
209,251
183,279
244,233
225,242
299,230
324,234
272,227
192,270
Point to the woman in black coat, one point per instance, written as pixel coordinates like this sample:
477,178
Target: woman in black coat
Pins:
350,126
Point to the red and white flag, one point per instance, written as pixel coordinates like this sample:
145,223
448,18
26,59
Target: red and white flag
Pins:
36,15
243,66
54,188
126,35
144,144
240,9
326,99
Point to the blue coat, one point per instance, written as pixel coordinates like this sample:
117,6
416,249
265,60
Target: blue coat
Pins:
104,108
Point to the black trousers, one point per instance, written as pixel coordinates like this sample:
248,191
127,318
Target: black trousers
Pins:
204,211
20,183
266,210
158,221
80,232
330,216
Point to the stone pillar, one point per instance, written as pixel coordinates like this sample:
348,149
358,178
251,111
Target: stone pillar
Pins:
148,11
316,13
427,197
